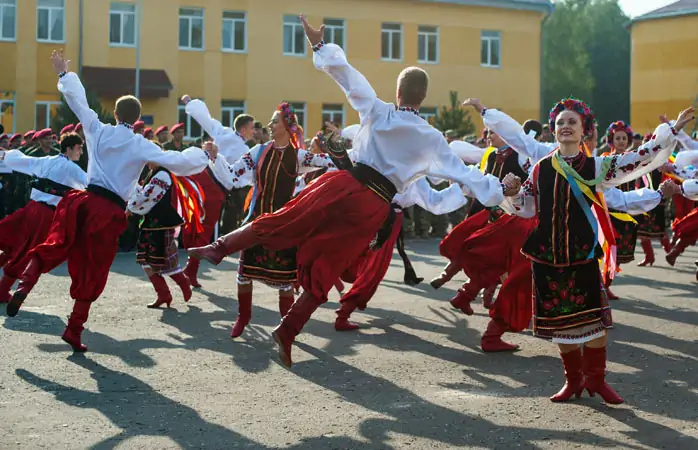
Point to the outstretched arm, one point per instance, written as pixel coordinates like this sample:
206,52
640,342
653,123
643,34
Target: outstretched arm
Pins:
144,199
330,58
19,162
230,144
188,162
436,202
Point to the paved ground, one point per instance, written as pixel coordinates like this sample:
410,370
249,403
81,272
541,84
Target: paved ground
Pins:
412,378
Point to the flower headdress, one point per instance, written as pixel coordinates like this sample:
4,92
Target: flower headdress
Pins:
288,115
578,106
321,141
616,127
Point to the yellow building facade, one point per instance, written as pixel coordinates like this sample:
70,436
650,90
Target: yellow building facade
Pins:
664,72
248,55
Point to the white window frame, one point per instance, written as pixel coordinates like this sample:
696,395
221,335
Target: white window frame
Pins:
234,111
190,18
302,110
327,109
427,35
121,32
490,40
391,36
331,29
428,112
14,113
188,120
48,105
233,22
294,22
3,7
51,10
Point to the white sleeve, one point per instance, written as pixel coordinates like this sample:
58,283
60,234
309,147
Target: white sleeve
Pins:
77,178
240,173
436,202
144,199
523,204
229,143
468,153
187,162
687,173
513,134
634,202
332,60
686,141
446,165
19,162
686,158
689,189
646,158
72,89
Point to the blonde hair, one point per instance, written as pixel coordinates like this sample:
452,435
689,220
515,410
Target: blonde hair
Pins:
413,83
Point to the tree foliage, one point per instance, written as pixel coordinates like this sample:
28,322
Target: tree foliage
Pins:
587,55
454,117
65,116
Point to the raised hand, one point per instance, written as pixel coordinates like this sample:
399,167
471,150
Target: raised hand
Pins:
185,99
313,35
212,150
667,167
684,118
475,103
60,65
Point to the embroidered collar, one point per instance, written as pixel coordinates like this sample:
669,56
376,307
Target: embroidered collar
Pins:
503,149
409,109
129,126
63,155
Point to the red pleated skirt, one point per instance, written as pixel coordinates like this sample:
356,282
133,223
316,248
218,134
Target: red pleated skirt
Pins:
686,228
332,221
22,231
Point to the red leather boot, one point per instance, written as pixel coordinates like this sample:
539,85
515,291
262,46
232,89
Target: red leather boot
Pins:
286,300
594,367
191,270
344,311
448,273
73,332
6,284
164,295
184,284
665,244
244,313
574,386
492,338
676,251
488,296
26,283
649,253
232,242
464,297
292,324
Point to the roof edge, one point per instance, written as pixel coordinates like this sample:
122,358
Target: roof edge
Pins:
522,5
667,15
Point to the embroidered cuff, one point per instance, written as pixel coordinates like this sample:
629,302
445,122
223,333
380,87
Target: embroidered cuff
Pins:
484,110
673,130
318,46
62,74
683,191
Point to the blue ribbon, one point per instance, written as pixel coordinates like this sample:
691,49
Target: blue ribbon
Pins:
586,208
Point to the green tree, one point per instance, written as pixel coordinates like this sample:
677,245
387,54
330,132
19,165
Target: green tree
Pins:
65,116
454,117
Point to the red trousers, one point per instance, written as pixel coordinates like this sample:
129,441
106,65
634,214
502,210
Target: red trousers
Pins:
372,270
686,227
85,232
331,222
214,198
22,231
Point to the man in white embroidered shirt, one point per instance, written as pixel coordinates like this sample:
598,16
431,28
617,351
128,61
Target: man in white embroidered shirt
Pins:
336,217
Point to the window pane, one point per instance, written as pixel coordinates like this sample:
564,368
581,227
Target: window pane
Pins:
194,128
191,12
288,39
8,22
233,15
115,28
490,34
432,41
397,46
426,29
56,25
385,44
292,20
42,25
334,22
484,52
41,116
226,118
227,34
300,41
183,34
494,52
125,7
391,26
197,33
239,35
56,3
129,29
421,46
181,115
339,37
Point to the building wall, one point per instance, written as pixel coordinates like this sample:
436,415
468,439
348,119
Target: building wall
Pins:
664,72
263,76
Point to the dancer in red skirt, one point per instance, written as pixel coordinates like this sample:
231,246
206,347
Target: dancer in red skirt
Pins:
231,146
54,176
374,265
87,224
571,307
335,218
